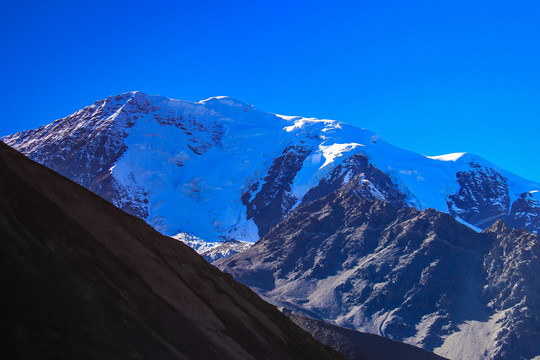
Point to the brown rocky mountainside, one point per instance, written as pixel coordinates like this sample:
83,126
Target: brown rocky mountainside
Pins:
81,279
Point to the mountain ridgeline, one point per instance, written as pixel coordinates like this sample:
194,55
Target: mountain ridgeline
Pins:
221,170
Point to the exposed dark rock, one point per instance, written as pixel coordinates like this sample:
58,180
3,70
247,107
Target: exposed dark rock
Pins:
482,198
269,204
81,279
404,254
87,144
143,153
525,213
375,183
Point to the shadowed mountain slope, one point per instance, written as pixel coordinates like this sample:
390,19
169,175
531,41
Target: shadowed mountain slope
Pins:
81,279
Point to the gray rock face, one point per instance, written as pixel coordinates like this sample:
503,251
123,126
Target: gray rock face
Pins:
483,196
412,276
85,145
512,272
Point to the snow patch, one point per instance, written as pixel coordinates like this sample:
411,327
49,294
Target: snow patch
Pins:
477,229
447,157
331,152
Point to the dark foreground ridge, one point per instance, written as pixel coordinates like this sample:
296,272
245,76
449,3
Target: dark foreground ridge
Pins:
83,280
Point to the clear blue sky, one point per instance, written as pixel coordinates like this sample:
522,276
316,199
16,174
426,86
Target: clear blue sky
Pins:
430,76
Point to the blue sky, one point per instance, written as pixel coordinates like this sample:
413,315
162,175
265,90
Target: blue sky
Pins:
430,76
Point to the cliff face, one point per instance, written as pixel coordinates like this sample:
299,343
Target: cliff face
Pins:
82,279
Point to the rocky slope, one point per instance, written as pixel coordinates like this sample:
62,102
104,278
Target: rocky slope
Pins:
356,345
83,280
220,169
414,276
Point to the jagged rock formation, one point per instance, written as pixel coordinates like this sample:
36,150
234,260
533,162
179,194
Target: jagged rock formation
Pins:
414,276
83,280
268,201
346,238
220,169
482,198
525,212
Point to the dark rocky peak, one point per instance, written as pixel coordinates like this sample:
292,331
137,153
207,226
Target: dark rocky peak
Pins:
404,258
482,197
499,227
525,212
369,182
86,145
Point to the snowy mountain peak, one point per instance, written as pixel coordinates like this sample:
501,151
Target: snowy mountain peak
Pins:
210,168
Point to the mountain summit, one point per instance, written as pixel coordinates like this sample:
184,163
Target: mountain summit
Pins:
220,169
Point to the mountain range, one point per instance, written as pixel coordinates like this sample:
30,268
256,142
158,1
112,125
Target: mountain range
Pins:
437,251
220,169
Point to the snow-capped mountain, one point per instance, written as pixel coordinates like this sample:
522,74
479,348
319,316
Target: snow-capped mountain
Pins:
220,169
381,256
